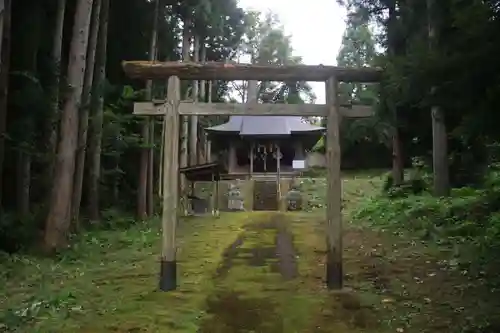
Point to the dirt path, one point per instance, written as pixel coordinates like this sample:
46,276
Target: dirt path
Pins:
263,250
258,255
400,284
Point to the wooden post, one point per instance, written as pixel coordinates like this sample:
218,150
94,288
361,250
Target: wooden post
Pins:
208,151
168,271
278,174
252,153
183,163
264,158
162,155
209,93
214,197
334,272
232,165
216,206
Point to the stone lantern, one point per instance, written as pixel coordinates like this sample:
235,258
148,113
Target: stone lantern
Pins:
294,198
235,199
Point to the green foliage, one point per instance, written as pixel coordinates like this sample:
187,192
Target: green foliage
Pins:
16,232
266,42
372,134
313,186
410,187
32,115
60,305
114,219
468,220
465,37
315,172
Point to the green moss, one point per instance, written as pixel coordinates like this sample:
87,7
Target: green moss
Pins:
232,280
108,281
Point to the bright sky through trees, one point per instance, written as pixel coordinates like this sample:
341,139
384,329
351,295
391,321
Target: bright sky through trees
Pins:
316,27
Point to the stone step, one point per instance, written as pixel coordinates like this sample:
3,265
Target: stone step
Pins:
265,195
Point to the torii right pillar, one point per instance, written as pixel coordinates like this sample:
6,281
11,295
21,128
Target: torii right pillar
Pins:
334,271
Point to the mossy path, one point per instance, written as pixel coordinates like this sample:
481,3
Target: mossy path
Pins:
270,280
249,284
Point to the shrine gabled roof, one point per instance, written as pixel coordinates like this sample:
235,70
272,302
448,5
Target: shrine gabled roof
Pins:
265,125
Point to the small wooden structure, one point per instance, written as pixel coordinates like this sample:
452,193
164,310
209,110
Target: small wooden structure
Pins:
173,107
207,172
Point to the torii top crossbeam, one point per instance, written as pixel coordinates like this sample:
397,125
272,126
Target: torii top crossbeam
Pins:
232,71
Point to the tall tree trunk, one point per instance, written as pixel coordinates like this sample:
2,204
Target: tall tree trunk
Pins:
440,153
97,106
439,135
23,186
193,121
151,162
143,174
58,219
83,124
30,42
153,50
51,122
397,157
4,84
397,152
2,12
116,182
193,130
143,192
31,45
208,146
183,161
202,144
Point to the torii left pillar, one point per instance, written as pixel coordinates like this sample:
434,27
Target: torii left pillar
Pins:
168,269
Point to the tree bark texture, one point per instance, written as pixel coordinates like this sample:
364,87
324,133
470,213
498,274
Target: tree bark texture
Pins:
97,109
83,124
439,133
4,83
52,120
184,132
153,50
58,219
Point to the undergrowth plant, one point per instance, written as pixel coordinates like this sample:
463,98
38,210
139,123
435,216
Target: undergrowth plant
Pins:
468,220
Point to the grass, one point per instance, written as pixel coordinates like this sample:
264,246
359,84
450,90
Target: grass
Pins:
409,283
231,279
107,281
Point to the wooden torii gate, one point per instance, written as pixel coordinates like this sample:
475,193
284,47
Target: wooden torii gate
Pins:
173,107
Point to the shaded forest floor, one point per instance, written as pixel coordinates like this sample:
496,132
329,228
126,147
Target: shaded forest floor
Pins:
244,272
